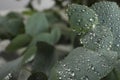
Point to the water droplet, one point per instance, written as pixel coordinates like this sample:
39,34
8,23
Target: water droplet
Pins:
73,30
8,76
84,78
91,19
64,65
92,67
79,34
83,10
88,60
118,45
60,78
73,74
93,26
79,20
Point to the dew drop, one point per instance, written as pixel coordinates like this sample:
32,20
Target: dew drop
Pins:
92,67
118,45
73,30
60,78
73,74
79,34
93,26
79,20
84,78
83,10
8,76
91,19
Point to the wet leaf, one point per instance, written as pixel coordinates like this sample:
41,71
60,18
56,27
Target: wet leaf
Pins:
99,38
81,18
11,69
109,15
85,64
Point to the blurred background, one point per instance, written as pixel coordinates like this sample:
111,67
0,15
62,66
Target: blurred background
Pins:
40,4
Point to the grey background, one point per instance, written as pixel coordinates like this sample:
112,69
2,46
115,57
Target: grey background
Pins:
19,5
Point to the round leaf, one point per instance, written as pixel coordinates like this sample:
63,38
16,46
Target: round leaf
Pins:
84,64
109,15
36,24
82,19
99,38
19,42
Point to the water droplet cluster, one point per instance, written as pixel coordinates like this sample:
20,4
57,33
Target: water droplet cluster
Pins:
109,15
8,77
82,18
84,64
99,38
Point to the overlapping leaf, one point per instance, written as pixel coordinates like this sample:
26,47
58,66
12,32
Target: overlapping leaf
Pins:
82,19
109,15
11,69
36,24
99,38
84,64
19,42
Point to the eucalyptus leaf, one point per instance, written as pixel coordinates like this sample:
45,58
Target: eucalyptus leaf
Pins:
46,37
53,75
84,64
53,17
44,58
11,69
19,42
14,15
10,26
99,38
31,51
109,15
36,24
114,75
56,34
82,19
50,38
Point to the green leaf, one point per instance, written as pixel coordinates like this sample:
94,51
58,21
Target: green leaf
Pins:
14,15
53,74
53,17
44,59
56,34
10,26
109,15
19,42
31,50
114,75
45,37
117,69
50,38
99,38
82,19
36,24
11,69
84,64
